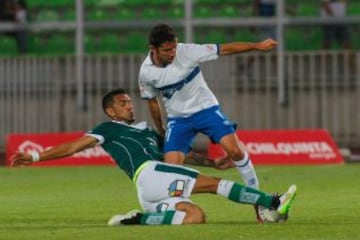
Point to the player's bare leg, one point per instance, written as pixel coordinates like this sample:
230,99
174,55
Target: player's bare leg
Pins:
175,157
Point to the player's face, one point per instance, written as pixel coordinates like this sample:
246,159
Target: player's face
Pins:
122,109
165,54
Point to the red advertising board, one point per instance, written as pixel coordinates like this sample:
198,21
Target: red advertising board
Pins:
40,142
286,147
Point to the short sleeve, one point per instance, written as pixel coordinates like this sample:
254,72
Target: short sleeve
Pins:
200,52
98,132
147,91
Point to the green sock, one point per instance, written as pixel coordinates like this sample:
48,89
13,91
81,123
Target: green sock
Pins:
163,218
241,194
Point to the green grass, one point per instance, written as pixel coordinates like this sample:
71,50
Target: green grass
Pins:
76,202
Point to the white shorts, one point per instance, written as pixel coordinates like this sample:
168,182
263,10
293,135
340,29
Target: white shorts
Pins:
160,186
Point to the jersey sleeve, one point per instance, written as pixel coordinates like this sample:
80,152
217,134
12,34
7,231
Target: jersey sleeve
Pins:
98,132
200,52
147,91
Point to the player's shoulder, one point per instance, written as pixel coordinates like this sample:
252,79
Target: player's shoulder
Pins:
181,45
113,124
103,125
145,69
185,46
147,60
146,65
183,50
196,47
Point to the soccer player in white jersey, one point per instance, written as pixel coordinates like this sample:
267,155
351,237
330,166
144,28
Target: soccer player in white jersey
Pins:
171,70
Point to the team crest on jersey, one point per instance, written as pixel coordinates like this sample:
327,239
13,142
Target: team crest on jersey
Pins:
176,188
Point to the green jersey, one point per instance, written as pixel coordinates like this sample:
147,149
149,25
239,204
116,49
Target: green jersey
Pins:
129,145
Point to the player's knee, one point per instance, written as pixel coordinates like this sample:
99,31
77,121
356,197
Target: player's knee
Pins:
236,152
174,157
194,214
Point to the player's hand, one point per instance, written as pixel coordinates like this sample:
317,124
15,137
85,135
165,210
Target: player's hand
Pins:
266,45
162,132
224,163
20,159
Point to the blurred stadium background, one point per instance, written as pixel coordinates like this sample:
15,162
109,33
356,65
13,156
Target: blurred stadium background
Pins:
78,50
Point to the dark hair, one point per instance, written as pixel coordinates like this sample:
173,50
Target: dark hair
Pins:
108,98
161,33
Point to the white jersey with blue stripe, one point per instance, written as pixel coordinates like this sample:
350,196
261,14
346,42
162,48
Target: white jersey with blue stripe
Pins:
181,83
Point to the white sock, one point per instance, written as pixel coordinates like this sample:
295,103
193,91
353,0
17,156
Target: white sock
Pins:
178,218
224,188
247,171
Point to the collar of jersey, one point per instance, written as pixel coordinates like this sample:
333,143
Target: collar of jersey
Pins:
140,125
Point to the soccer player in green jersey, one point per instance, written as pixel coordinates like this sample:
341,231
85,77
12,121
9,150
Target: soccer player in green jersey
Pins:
163,189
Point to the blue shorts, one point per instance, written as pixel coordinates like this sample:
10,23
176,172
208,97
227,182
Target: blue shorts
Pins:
182,131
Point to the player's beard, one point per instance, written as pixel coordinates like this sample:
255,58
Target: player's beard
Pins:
170,60
131,118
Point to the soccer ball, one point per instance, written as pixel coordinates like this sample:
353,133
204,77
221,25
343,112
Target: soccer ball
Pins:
271,215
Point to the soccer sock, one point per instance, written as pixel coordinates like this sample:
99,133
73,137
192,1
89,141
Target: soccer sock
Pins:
247,171
241,194
162,218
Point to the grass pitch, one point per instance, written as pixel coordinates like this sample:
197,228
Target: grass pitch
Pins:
76,202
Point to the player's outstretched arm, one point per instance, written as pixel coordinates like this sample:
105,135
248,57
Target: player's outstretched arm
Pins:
60,151
239,47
